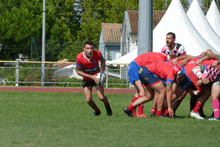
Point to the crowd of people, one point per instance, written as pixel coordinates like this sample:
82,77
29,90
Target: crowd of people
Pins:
164,77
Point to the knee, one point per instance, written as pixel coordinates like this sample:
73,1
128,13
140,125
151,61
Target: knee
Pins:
102,98
88,99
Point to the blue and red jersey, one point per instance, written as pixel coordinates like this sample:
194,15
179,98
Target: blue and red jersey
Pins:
164,71
150,57
88,65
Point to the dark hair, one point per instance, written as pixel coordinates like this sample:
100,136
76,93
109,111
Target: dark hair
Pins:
182,79
88,42
171,33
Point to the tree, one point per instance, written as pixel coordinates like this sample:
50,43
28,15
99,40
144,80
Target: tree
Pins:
95,12
21,20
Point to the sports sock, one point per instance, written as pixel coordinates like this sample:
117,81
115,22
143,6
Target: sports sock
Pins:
158,113
133,100
197,107
106,104
140,109
96,108
215,106
163,109
154,110
166,112
130,107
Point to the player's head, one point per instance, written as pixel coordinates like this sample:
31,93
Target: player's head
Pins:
181,79
88,48
170,39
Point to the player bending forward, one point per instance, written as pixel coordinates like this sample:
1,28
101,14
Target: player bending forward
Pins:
87,65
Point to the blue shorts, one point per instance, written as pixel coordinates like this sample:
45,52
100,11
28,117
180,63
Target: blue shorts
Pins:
147,77
133,70
188,83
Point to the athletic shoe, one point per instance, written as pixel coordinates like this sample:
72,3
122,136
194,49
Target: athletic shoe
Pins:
128,112
97,113
153,115
213,119
109,110
142,115
201,113
134,114
195,115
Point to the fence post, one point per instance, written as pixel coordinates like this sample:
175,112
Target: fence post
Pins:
106,76
17,73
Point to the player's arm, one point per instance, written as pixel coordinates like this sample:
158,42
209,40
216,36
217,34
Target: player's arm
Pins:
169,83
169,100
187,57
83,74
102,63
206,57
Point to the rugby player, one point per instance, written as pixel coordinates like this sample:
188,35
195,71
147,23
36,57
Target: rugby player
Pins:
87,66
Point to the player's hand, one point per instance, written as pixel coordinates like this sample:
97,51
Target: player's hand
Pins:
198,62
214,64
171,112
96,79
174,61
205,80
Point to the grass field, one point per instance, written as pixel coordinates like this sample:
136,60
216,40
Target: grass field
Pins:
65,119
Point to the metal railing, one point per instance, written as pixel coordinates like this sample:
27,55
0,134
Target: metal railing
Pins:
22,73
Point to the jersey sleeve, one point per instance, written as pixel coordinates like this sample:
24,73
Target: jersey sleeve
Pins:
78,64
182,50
170,78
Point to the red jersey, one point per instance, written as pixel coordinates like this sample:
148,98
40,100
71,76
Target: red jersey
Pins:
164,71
150,57
191,64
88,65
178,61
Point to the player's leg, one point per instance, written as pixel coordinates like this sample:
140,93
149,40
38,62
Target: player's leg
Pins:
104,99
87,87
139,101
141,92
215,95
161,89
135,80
205,94
154,107
177,97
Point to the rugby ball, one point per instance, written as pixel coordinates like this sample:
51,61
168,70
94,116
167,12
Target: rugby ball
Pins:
102,78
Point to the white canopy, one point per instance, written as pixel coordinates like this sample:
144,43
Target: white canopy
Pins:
126,59
200,22
213,17
175,20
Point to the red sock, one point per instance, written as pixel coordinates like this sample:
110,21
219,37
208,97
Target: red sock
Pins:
140,109
139,96
166,112
197,107
158,113
133,100
163,109
96,108
154,110
130,107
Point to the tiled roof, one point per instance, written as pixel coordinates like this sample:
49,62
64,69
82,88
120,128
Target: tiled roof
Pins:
111,32
133,18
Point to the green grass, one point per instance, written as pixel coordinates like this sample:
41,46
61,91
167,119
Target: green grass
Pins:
65,119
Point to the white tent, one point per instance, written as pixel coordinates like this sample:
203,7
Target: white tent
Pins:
126,59
175,20
213,17
200,22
